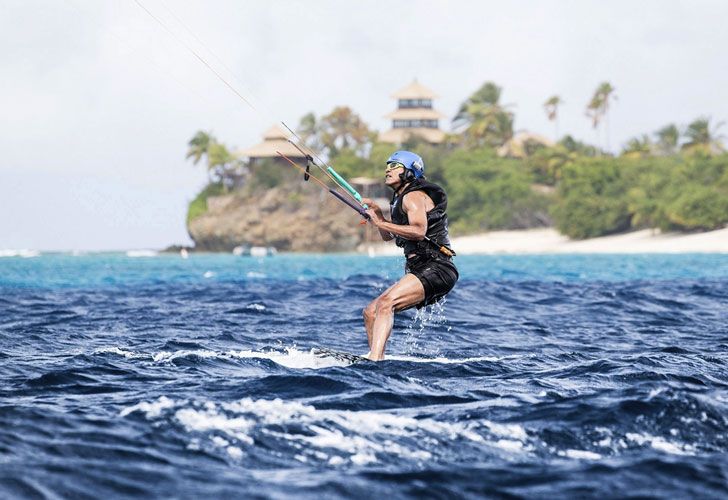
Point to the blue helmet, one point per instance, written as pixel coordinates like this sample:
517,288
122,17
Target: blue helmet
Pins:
412,162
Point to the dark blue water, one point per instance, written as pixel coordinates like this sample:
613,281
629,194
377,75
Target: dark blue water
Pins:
540,377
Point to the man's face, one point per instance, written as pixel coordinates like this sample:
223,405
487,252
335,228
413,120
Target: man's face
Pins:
392,173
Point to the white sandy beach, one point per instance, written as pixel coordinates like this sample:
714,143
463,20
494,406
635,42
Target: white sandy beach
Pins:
550,241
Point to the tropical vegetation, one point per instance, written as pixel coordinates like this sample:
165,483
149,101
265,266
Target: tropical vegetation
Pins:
675,178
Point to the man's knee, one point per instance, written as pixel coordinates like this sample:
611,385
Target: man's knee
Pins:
385,303
370,311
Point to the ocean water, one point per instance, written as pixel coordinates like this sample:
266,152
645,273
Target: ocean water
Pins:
585,376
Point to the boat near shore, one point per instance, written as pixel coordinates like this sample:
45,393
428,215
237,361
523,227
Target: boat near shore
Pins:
252,251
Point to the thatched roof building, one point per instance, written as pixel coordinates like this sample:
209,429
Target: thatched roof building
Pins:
274,140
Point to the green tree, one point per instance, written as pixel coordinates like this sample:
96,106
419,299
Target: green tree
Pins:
638,147
702,138
197,146
696,197
198,206
343,129
546,163
348,164
667,139
483,119
487,192
221,164
551,107
578,147
592,199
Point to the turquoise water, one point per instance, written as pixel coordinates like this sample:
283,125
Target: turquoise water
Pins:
64,270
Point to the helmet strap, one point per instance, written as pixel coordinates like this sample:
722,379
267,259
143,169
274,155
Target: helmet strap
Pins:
402,185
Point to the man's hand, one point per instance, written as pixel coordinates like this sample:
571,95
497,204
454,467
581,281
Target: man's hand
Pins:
372,205
375,215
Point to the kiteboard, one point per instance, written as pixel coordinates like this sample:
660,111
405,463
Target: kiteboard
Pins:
346,357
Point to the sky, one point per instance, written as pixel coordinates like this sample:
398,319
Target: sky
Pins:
98,101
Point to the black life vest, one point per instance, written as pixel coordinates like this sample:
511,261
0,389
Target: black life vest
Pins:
436,218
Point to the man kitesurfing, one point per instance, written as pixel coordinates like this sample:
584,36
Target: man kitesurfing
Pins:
419,227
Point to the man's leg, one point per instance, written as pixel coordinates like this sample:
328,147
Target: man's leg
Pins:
370,314
407,292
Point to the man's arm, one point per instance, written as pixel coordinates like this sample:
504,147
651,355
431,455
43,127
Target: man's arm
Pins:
415,205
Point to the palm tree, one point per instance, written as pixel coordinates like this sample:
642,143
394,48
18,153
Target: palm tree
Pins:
638,147
220,164
667,139
484,119
551,107
198,146
598,107
700,137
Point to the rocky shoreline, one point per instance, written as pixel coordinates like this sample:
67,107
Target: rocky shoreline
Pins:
291,219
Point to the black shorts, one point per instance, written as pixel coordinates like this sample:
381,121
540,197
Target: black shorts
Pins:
438,275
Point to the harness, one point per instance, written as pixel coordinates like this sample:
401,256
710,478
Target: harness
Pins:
436,241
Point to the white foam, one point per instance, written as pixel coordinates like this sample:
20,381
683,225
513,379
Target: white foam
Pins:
330,436
510,445
580,454
166,356
151,410
119,351
661,444
290,357
210,420
220,441
513,431
234,452
208,274
656,391
256,307
363,458
604,442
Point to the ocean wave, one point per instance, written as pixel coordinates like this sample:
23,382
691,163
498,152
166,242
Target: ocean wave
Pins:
290,357
141,377
334,437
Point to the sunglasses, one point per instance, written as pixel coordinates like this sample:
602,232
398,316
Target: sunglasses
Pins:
393,166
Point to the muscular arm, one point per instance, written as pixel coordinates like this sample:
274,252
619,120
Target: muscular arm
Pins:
386,235
415,204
